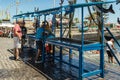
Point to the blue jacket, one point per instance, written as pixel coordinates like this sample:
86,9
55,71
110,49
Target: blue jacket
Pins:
39,33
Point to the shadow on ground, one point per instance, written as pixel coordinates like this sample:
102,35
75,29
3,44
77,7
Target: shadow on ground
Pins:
53,69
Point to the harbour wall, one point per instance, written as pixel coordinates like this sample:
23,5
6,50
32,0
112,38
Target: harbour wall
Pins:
94,36
90,35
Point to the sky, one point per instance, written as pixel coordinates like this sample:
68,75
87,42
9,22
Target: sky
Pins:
28,6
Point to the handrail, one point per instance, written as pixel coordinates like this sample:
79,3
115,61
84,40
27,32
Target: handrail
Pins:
113,54
113,36
67,33
65,29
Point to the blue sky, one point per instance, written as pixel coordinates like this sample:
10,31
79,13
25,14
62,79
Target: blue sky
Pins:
28,6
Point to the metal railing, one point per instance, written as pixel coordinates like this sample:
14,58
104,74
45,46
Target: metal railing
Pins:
113,36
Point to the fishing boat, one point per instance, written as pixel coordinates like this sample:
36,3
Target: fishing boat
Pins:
85,28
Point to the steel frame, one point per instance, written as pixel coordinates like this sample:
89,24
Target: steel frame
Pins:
79,47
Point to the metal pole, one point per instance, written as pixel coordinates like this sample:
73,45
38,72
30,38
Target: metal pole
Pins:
54,3
43,41
61,30
102,47
81,50
17,3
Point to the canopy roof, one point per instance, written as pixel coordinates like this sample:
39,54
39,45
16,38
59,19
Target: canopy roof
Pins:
6,25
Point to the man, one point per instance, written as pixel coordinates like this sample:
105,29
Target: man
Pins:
17,34
24,33
39,44
110,56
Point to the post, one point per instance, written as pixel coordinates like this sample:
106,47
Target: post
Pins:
61,30
81,64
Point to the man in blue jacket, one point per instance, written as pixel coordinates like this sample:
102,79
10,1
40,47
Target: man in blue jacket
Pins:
39,44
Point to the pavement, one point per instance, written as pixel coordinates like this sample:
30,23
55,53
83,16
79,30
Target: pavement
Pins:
20,70
15,70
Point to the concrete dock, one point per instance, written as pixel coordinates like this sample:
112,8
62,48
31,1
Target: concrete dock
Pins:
19,70
15,70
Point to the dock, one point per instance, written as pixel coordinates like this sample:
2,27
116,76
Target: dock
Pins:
27,70
15,70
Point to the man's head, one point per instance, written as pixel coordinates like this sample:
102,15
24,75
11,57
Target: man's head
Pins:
18,22
112,39
23,23
45,23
